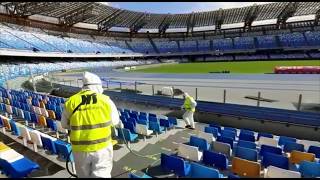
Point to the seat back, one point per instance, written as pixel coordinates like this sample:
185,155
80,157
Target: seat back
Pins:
270,149
229,134
262,134
175,164
245,168
199,142
309,169
63,149
189,152
35,137
247,144
52,114
267,141
315,150
230,129
275,172
42,121
284,139
245,131
200,171
207,136
246,153
60,128
14,128
51,124
48,144
213,130
6,124
143,129
155,126
290,146
173,120
226,140
296,157
216,126
221,147
217,159
247,137
271,159
25,133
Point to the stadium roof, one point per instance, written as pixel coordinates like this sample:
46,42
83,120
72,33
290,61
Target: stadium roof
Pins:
107,17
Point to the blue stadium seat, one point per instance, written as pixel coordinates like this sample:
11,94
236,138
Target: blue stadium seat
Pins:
200,171
51,124
271,159
246,137
153,119
63,149
290,146
225,140
230,129
229,134
173,120
215,159
247,144
283,139
246,153
131,127
18,169
315,150
216,126
156,127
48,144
201,143
212,130
261,134
270,149
175,164
14,128
166,123
142,117
309,169
246,131
126,134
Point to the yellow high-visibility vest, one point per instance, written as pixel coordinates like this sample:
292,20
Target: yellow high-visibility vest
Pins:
91,123
187,104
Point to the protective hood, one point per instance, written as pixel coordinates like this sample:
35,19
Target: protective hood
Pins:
92,82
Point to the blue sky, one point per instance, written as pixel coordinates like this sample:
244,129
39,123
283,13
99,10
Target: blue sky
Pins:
177,7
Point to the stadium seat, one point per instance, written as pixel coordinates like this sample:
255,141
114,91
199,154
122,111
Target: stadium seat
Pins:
175,164
126,134
296,157
271,149
173,120
213,130
245,168
143,130
226,140
267,141
261,134
216,126
207,136
290,146
25,134
201,143
35,139
221,147
315,150
229,134
18,169
284,139
247,144
14,128
215,159
271,159
51,124
189,152
154,126
246,137
246,153
166,123
63,149
275,172
309,169
200,171
48,144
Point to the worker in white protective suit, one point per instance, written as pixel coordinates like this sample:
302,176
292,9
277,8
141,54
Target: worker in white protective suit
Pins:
90,115
189,106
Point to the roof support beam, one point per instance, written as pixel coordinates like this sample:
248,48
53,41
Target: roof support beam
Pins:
76,15
220,19
140,22
165,24
251,16
108,22
287,12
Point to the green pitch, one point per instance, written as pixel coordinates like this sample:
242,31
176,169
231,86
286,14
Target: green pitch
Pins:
233,67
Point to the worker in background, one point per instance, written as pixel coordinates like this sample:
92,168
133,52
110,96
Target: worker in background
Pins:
89,115
189,106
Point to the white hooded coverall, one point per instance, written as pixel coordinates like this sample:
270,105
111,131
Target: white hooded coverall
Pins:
99,163
188,115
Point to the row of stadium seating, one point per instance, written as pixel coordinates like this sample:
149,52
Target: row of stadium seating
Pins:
25,40
138,122
11,71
